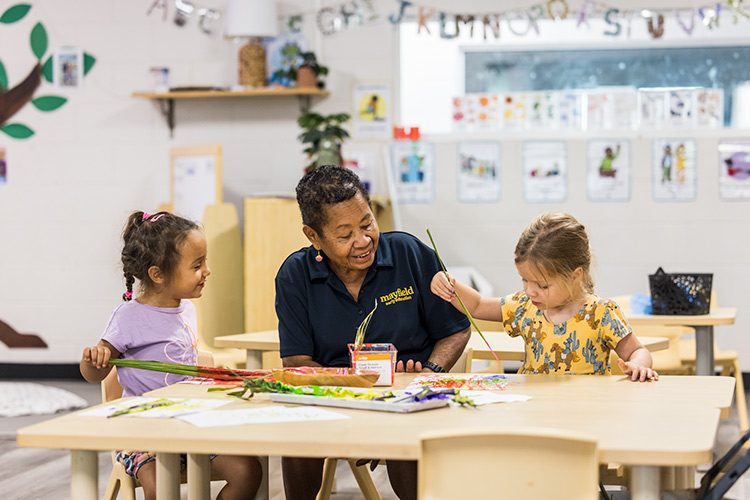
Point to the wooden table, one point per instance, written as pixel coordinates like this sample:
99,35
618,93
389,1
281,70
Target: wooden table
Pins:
646,426
704,331
506,347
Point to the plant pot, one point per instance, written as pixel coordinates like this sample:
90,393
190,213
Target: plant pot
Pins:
306,77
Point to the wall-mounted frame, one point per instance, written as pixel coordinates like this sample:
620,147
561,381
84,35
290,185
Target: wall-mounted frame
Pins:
195,179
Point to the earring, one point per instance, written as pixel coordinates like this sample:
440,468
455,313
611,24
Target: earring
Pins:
319,257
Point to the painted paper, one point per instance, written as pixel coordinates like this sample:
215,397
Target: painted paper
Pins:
413,164
608,176
371,111
545,171
734,169
478,171
673,166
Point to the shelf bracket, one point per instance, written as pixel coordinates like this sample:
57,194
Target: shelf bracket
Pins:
304,103
166,106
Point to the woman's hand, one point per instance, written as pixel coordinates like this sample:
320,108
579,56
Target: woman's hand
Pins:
97,356
410,366
443,288
637,371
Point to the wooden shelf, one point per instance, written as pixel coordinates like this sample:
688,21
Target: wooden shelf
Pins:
166,99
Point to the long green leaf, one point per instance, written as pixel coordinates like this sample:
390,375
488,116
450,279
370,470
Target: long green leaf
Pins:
47,69
48,102
466,311
15,13
17,130
38,40
88,63
3,78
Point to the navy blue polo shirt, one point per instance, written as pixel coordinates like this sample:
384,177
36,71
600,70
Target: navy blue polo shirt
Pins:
318,317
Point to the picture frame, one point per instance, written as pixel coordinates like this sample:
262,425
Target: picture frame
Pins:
67,68
372,107
195,179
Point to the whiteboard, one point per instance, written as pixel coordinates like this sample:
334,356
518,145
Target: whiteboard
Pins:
196,180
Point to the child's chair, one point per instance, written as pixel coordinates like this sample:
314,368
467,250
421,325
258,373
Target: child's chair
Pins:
119,480
491,463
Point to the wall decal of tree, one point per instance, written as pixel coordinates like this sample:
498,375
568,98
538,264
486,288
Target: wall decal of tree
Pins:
13,99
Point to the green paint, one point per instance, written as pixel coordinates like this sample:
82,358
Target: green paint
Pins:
17,130
15,13
38,41
47,69
88,62
48,102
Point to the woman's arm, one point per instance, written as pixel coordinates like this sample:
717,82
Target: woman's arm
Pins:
487,308
293,361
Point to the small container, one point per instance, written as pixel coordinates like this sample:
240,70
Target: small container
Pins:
377,357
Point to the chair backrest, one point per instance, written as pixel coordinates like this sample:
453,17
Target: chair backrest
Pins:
507,463
668,359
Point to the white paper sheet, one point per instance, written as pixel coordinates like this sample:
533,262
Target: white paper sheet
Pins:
265,415
181,407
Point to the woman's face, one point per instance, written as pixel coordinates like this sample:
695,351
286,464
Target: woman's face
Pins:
350,237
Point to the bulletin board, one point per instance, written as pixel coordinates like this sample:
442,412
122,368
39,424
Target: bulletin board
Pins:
195,179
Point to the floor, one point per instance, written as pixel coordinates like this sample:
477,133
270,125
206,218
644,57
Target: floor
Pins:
32,474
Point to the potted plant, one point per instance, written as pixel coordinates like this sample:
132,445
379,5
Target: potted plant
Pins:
323,136
310,71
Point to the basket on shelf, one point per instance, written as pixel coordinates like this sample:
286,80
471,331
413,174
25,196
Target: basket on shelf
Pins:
680,293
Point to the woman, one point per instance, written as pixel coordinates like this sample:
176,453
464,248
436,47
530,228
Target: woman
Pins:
324,291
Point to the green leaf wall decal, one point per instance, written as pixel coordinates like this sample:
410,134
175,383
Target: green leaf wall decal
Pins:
48,102
88,63
17,130
39,41
3,78
47,69
15,13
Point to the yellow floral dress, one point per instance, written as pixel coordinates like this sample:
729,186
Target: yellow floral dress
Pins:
580,345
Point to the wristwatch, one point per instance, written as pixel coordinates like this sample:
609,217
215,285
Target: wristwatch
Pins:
434,367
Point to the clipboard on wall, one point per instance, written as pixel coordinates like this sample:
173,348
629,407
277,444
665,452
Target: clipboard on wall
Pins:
196,180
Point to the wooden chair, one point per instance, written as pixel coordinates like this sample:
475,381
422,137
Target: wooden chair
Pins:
362,473
119,480
509,463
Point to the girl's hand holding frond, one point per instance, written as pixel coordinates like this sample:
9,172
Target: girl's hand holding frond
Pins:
442,286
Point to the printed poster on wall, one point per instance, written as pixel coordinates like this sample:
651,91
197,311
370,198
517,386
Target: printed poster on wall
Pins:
413,164
734,169
363,162
545,171
371,111
478,178
673,170
3,165
608,173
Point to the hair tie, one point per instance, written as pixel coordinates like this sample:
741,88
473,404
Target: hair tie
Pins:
146,215
157,218
129,295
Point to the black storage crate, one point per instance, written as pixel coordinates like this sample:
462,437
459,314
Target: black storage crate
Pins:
680,293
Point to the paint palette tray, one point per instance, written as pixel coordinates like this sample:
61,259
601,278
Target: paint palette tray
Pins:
359,404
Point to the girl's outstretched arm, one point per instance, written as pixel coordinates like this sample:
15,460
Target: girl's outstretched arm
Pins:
487,308
635,360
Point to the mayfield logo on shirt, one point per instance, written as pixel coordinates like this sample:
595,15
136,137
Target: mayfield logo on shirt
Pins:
397,296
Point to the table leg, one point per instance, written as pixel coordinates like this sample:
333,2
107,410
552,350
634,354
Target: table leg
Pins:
84,474
254,360
645,482
704,350
199,477
168,476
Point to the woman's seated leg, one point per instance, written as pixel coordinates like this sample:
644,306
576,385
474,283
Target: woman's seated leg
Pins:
302,477
403,477
243,476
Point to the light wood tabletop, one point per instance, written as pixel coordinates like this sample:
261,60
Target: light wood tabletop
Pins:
645,426
506,347
704,330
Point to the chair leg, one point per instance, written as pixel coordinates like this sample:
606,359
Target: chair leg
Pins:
329,474
113,488
364,481
740,398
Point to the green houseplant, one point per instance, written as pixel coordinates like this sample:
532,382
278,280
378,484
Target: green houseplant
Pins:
323,136
309,72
